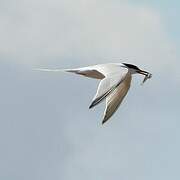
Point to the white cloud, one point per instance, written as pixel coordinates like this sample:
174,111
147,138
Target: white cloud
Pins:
87,31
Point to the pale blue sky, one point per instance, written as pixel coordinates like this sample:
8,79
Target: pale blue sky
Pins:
46,129
170,11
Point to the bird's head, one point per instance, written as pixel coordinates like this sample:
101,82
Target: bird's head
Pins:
134,69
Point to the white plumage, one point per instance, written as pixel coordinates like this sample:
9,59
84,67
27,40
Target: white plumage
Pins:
114,85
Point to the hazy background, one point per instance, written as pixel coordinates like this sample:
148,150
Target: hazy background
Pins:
46,129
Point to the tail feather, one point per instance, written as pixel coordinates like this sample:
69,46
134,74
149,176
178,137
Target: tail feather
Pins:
91,73
55,70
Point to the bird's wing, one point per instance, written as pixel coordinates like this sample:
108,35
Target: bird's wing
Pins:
111,76
90,71
114,100
108,85
99,71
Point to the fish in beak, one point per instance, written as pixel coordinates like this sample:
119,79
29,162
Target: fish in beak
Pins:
146,74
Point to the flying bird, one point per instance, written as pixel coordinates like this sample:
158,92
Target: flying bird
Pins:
115,81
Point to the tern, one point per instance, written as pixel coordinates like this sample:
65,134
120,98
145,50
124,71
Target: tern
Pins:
115,81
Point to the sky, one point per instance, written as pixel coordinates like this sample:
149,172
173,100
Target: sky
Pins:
46,128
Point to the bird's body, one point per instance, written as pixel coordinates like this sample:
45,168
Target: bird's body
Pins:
114,85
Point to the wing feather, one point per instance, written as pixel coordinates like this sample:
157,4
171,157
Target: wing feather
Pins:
88,73
107,86
99,71
114,84
114,100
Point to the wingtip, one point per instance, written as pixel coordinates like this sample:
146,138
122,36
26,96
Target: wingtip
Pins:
104,120
91,106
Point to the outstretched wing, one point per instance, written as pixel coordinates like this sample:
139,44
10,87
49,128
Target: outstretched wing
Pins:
112,76
99,71
91,73
114,100
107,86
